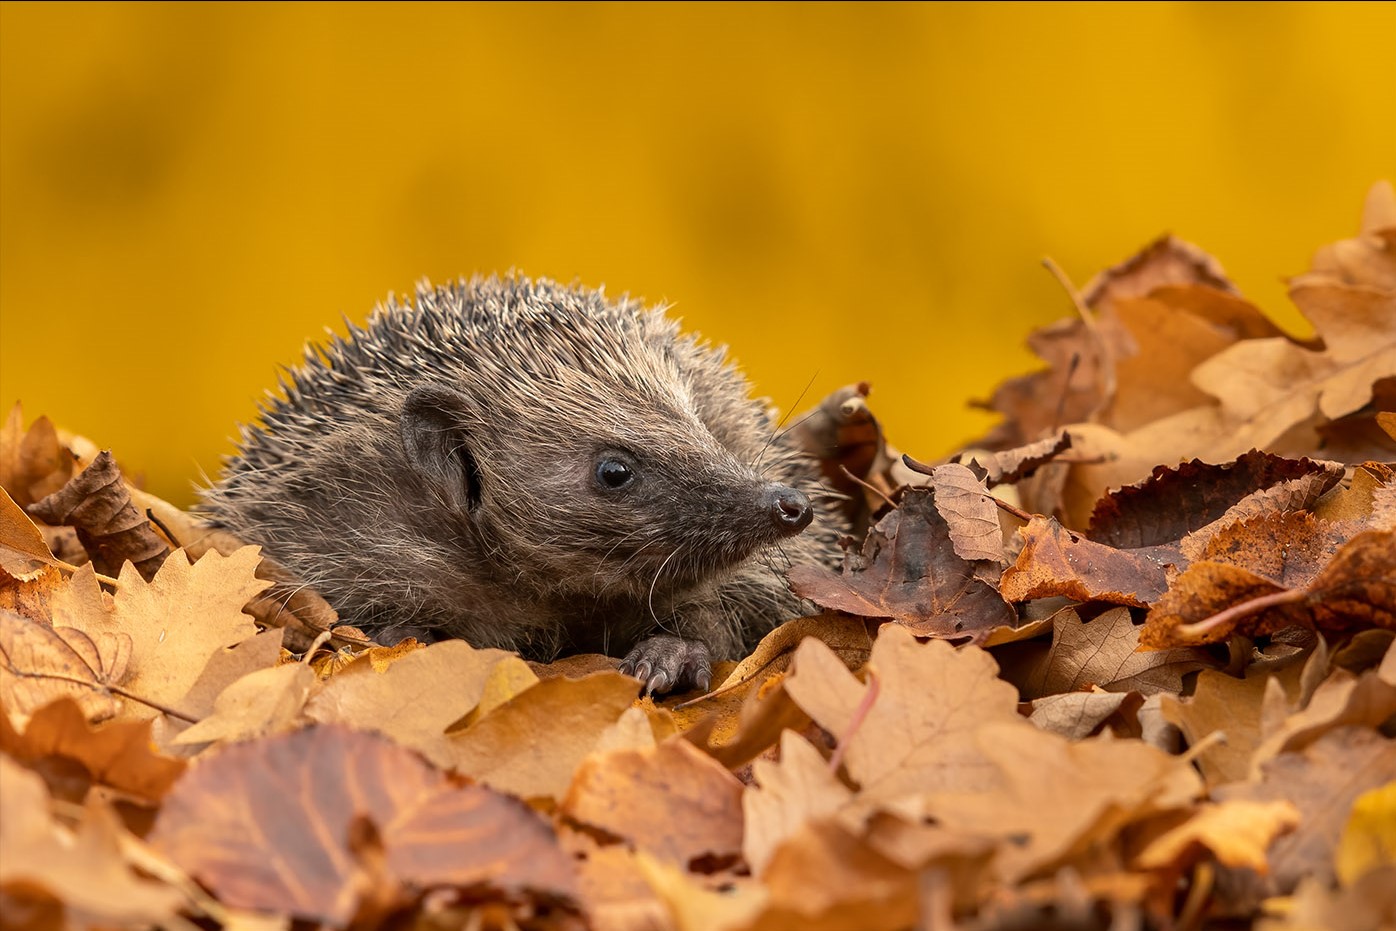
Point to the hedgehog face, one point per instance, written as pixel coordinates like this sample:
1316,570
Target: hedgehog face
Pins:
653,502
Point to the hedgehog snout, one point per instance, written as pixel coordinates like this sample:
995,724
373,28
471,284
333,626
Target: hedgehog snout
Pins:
790,510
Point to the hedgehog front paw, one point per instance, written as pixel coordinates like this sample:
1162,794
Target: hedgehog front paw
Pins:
665,663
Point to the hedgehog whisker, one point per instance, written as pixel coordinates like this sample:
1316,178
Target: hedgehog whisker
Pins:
775,431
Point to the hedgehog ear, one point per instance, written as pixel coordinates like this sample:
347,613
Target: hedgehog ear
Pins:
437,444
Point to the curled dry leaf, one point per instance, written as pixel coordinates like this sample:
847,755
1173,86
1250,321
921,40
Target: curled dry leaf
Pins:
907,570
97,503
1176,502
33,463
1010,465
268,825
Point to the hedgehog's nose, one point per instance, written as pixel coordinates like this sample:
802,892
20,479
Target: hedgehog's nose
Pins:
790,510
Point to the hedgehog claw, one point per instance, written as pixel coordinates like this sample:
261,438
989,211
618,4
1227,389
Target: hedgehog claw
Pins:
665,663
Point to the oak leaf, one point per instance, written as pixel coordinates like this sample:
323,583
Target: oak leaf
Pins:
1322,781
911,729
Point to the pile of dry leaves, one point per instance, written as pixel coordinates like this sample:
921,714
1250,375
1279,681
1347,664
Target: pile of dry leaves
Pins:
1127,664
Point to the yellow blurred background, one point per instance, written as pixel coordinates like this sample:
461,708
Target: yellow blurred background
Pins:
839,192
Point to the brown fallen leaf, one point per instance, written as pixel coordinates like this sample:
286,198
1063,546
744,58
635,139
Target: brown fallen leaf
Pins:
97,503
414,699
1010,465
532,744
23,553
1322,781
267,825
1231,706
672,801
907,570
33,464
116,754
1057,798
796,790
86,871
1174,503
40,664
1102,652
910,730
970,514
1263,575
261,703
1055,561
175,622
1080,714
1340,700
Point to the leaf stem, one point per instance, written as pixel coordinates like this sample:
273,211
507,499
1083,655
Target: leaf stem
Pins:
1244,609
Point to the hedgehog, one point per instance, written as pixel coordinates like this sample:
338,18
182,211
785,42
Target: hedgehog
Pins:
534,467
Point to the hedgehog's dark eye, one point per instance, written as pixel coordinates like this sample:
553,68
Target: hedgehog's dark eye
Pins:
614,472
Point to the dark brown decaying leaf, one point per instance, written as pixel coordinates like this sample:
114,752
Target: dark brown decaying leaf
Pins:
1174,502
267,825
97,503
1057,561
907,570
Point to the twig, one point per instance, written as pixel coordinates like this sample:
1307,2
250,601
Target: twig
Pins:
96,687
1017,512
858,481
